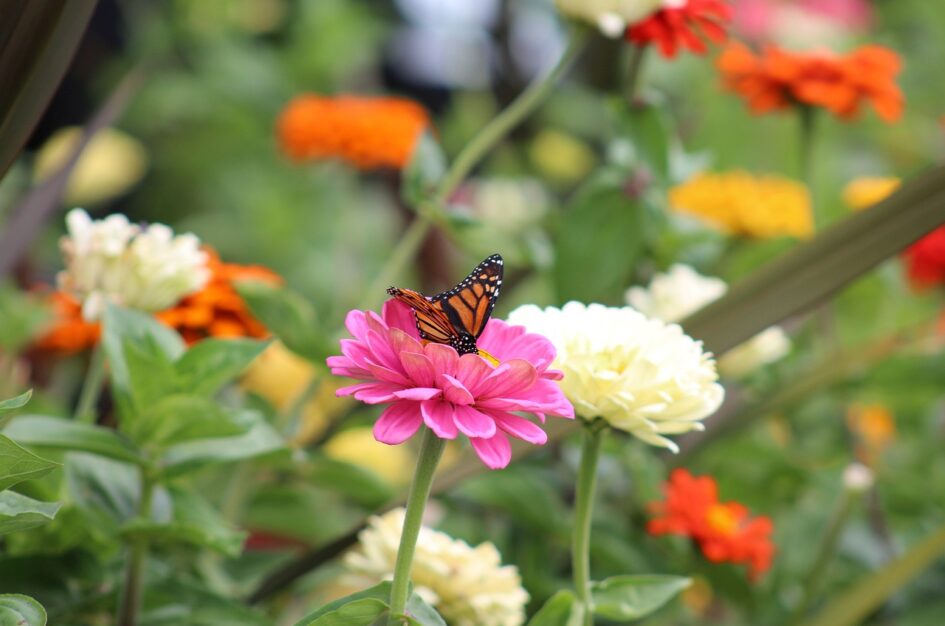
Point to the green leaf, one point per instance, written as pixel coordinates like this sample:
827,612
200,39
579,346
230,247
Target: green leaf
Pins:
20,610
14,403
425,169
141,352
188,456
627,598
799,280
106,491
559,610
288,315
419,613
598,240
360,484
212,363
358,609
18,512
645,125
64,434
521,492
191,520
18,464
854,605
177,418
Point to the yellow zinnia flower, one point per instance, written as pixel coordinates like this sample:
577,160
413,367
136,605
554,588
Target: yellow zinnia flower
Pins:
742,203
863,192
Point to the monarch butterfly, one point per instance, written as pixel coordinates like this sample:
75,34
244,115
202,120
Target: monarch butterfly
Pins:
458,316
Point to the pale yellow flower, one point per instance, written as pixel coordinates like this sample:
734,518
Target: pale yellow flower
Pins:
611,16
110,164
741,203
641,375
865,192
357,446
560,156
467,585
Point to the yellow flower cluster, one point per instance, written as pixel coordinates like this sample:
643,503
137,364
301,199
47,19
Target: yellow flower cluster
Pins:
742,203
865,192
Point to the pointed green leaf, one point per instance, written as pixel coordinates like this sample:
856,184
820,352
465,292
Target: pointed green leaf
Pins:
288,315
18,464
627,598
358,609
212,363
64,434
18,512
419,613
559,610
15,403
177,418
20,610
853,606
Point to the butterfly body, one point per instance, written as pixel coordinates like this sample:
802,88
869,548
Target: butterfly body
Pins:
457,316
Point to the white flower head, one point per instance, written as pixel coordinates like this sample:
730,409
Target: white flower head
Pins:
141,267
858,478
682,291
642,375
467,585
611,16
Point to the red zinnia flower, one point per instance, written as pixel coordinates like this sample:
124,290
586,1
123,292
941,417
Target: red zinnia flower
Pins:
683,24
723,530
925,259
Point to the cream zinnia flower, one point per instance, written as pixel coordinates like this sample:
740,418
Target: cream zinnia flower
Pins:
467,586
682,291
611,16
111,260
641,375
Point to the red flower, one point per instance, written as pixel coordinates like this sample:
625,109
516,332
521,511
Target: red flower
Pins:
723,530
925,259
683,26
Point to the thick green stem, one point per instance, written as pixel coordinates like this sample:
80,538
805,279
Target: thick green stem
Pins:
631,78
583,508
130,601
431,449
91,387
825,552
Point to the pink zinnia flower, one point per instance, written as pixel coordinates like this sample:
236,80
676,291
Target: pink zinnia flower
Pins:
452,394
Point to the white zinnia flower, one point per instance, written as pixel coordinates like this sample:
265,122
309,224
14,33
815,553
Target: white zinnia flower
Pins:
641,375
467,586
611,16
681,291
112,260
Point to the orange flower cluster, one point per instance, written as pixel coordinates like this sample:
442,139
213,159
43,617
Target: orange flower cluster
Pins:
723,530
367,132
676,27
776,79
217,310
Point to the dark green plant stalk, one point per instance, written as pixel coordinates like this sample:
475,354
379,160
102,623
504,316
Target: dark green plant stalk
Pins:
583,513
130,600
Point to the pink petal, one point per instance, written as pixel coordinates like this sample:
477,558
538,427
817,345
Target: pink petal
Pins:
520,428
472,370
398,315
505,342
438,415
444,358
386,374
419,368
509,379
370,393
418,393
381,350
398,423
400,341
454,391
473,423
495,452
355,323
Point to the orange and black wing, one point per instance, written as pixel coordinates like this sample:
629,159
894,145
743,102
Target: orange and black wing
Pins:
432,323
468,305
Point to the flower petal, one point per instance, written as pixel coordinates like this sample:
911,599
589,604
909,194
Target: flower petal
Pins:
454,391
495,452
370,393
438,415
473,423
511,378
520,428
398,423
418,393
419,368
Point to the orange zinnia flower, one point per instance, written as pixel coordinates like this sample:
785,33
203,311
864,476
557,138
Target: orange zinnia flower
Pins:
680,26
723,530
776,79
218,310
367,132
69,332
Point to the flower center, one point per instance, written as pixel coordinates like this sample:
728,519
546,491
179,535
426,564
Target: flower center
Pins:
722,519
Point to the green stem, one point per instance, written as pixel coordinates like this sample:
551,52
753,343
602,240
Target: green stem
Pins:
130,600
805,156
431,449
631,81
583,507
91,386
825,552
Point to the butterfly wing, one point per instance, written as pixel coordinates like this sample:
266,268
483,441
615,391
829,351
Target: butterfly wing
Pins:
468,305
432,323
